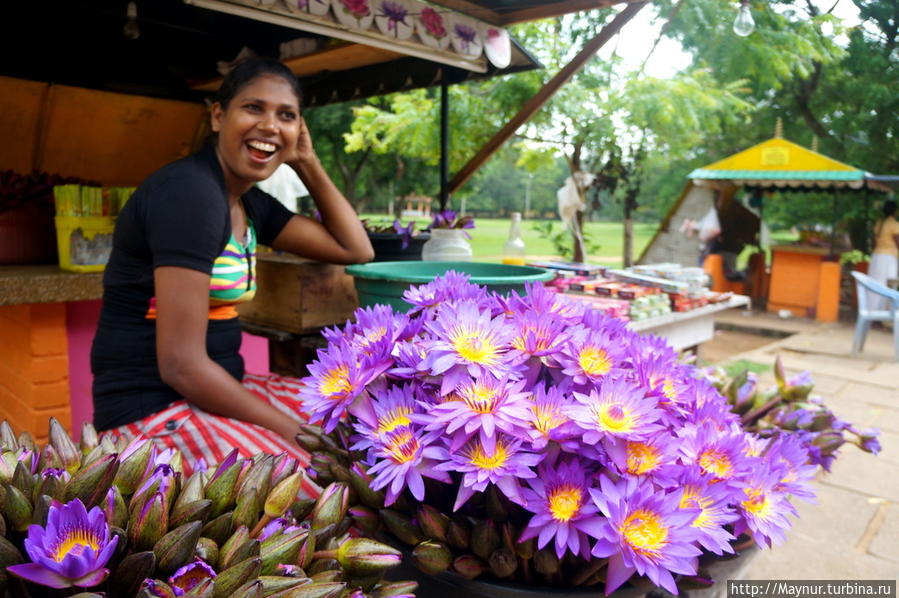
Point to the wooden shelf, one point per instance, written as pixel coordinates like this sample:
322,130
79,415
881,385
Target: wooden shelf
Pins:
21,285
342,57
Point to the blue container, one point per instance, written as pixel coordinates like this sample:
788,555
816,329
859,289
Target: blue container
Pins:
385,282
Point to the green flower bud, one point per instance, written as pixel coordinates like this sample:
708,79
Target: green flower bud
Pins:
546,562
432,557
204,589
194,511
247,510
307,550
334,589
8,463
284,466
240,535
365,518
149,523
398,589
526,549
8,440
176,548
258,475
89,438
458,533
92,482
26,441
191,491
208,551
497,504
281,548
252,589
503,562
133,467
401,526
484,539
229,580
23,480
219,529
49,458
283,495
361,482
331,506
126,579
300,509
66,449
41,510
320,567
18,509
363,556
50,485
308,442
9,554
222,490
273,584
153,588
433,523
469,566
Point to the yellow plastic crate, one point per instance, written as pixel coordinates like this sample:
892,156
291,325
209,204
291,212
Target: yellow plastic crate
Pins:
84,242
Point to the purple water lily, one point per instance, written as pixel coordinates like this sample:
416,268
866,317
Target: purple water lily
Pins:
189,576
72,550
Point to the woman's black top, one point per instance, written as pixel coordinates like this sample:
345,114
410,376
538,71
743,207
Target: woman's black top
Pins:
180,217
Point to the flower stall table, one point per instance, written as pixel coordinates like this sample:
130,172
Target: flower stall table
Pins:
687,329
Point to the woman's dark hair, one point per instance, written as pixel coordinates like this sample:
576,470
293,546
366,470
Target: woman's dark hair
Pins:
889,208
248,70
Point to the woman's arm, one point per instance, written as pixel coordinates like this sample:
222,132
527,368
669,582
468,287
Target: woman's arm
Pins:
182,308
340,237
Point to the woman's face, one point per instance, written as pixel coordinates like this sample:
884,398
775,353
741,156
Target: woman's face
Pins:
258,130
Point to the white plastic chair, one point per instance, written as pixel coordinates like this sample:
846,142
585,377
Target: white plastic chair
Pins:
867,289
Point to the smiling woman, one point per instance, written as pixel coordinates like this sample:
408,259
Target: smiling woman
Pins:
165,357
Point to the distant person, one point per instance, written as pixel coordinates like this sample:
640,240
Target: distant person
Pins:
885,257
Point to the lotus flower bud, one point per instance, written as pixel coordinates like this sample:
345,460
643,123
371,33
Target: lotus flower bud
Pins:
23,479
546,562
163,480
363,556
283,495
397,589
208,551
222,487
273,584
9,554
154,588
433,523
331,506
232,578
134,464
92,482
176,548
503,562
308,442
695,582
333,589
126,579
41,510
219,529
194,511
89,438
307,548
432,557
361,482
247,510
323,565
300,509
204,589
49,459
484,539
401,526
252,589
828,442
148,524
469,566
226,554
26,441
281,548
8,440
52,482
458,533
497,504
258,476
526,549
66,449
291,571
18,509
284,466
94,455
365,518
8,463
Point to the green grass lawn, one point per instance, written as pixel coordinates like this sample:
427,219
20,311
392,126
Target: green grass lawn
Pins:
489,234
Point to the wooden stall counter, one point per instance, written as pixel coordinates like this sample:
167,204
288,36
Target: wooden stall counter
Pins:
805,280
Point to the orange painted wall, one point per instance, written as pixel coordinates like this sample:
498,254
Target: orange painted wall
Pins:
34,367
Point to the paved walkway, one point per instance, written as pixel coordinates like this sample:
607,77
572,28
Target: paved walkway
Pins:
853,533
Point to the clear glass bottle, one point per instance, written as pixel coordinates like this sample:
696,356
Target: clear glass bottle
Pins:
513,250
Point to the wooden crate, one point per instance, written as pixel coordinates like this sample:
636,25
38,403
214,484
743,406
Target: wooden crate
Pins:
299,296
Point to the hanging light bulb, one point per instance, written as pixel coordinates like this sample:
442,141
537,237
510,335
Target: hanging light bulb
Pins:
131,30
743,24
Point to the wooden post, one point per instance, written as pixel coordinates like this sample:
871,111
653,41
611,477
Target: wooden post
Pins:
541,97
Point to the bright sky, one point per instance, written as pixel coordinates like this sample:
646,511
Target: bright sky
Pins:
669,57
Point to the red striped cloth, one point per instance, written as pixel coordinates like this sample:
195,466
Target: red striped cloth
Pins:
200,434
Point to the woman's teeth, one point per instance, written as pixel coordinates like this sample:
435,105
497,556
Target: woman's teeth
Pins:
262,146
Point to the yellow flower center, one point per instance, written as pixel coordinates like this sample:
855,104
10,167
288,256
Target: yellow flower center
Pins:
715,462
757,502
565,502
547,418
645,532
669,389
615,418
402,445
693,500
393,419
475,349
480,459
642,458
75,542
539,335
594,361
336,382
480,397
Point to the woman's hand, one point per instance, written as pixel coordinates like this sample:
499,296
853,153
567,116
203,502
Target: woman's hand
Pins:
303,153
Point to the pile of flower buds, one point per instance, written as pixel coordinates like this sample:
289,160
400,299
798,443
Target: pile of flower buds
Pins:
120,520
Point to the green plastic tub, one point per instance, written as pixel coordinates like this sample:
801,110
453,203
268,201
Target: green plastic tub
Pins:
385,282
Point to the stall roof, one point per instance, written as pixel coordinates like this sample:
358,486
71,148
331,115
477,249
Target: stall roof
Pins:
180,45
783,164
